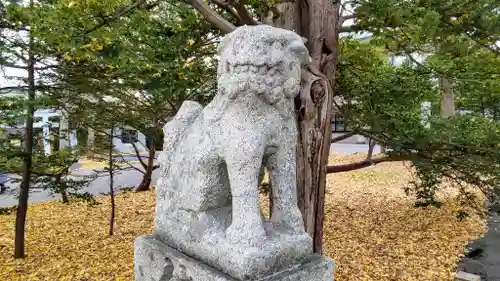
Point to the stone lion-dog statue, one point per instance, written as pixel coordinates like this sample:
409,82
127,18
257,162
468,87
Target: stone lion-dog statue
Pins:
207,195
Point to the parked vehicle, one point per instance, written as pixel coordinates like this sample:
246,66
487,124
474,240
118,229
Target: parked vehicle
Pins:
4,178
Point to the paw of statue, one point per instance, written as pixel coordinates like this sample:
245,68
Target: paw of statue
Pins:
249,234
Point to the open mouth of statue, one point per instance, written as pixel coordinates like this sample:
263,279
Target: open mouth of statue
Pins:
237,68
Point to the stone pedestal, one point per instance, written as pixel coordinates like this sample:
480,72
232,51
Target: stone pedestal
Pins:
156,261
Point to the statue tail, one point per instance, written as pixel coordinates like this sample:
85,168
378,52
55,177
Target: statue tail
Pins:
176,127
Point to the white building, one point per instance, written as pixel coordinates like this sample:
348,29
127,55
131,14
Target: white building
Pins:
51,123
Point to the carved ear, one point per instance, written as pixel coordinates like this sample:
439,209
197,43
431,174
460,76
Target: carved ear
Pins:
298,49
304,40
224,42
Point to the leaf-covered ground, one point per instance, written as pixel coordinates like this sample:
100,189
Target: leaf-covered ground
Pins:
372,231
90,164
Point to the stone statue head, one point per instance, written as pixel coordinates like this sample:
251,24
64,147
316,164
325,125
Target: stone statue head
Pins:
261,60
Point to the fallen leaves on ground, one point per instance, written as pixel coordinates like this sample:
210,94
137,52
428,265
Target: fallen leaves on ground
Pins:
91,164
88,164
71,242
372,231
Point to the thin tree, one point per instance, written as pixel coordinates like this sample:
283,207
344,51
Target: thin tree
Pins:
22,207
110,168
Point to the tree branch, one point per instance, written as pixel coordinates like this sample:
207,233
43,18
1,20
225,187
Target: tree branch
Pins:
227,8
12,65
244,14
118,14
348,29
371,146
211,16
138,154
476,40
342,137
6,25
363,164
21,88
130,165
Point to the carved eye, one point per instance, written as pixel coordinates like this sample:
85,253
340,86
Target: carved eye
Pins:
298,48
278,44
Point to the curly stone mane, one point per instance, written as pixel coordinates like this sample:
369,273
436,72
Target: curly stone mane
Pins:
253,65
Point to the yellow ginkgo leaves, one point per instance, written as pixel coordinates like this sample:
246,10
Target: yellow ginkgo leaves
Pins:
372,231
94,45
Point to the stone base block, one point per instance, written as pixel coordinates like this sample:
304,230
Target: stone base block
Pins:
156,261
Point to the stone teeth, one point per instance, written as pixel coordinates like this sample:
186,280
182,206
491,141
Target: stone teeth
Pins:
244,67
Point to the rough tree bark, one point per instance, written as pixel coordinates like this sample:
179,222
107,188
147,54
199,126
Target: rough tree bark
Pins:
318,22
22,206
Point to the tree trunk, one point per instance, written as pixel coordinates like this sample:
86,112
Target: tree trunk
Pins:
447,103
22,207
64,196
111,183
63,130
62,188
318,22
146,179
90,143
382,148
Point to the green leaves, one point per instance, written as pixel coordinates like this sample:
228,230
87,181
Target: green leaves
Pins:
384,102
136,71
454,29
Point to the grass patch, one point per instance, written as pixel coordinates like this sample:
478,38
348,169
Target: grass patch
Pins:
372,231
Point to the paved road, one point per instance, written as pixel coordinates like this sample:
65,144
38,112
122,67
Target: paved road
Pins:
483,258
124,179
132,178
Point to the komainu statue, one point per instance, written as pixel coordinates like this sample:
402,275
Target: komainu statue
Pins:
208,204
